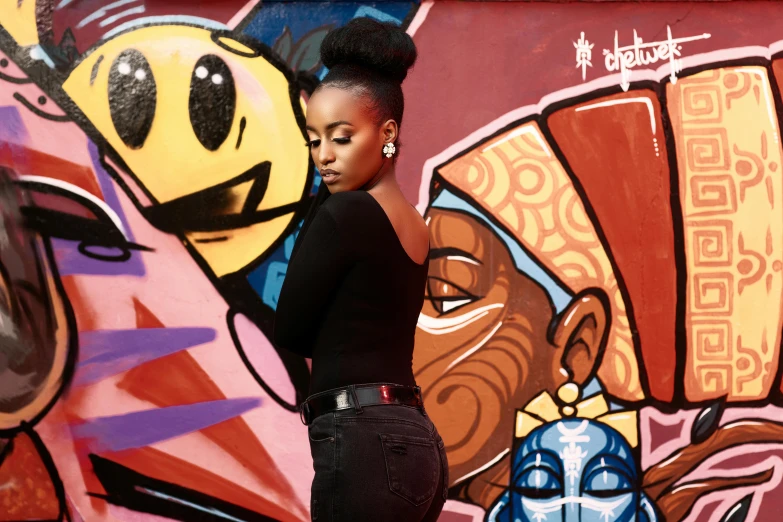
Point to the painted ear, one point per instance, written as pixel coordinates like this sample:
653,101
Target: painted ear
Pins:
580,333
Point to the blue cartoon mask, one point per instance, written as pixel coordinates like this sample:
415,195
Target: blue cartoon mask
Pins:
574,470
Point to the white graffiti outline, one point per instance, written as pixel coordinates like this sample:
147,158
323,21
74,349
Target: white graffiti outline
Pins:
520,132
79,192
445,325
541,509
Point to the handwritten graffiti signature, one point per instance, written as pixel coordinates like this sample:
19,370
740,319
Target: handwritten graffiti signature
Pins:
639,54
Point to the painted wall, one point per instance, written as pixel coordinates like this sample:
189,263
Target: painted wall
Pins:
603,183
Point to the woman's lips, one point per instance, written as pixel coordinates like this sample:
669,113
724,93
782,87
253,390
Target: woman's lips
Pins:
329,176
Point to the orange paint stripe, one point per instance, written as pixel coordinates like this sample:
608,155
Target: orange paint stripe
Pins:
32,162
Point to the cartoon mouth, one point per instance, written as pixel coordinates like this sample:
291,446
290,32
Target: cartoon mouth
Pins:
204,211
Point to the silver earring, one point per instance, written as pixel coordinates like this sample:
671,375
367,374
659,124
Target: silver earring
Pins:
389,149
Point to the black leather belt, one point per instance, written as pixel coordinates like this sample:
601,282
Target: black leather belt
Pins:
366,395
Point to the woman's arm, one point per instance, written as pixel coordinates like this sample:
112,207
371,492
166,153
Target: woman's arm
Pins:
313,274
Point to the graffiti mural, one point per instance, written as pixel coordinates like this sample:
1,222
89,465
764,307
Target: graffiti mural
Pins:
600,339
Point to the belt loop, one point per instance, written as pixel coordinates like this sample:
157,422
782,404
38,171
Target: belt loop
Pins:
304,413
356,406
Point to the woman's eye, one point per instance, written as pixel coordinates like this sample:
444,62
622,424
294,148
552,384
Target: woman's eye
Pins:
446,296
342,140
312,144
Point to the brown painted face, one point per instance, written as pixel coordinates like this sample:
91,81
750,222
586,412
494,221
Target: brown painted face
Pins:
482,349
346,141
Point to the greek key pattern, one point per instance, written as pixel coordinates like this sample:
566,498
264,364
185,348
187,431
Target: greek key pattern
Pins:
517,178
729,161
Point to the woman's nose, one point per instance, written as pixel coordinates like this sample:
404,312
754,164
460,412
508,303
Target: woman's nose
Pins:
325,154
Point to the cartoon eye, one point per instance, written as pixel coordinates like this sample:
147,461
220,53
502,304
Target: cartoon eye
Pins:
607,482
133,97
59,213
538,483
446,296
5,67
213,100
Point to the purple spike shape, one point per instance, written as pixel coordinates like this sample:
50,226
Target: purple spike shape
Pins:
13,129
143,428
104,353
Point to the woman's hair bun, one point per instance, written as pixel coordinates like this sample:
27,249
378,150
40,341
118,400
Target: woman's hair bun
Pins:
382,47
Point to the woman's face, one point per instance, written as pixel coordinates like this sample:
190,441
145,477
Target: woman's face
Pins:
345,139
481,344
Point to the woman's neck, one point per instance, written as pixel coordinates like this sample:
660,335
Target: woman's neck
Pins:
383,180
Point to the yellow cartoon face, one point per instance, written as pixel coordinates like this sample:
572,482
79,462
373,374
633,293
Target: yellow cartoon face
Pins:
18,18
208,128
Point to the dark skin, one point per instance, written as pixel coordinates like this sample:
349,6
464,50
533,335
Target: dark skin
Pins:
346,143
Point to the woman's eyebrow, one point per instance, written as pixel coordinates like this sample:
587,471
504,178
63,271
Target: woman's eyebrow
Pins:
331,125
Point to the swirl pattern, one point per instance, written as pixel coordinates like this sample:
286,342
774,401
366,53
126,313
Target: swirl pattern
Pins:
516,178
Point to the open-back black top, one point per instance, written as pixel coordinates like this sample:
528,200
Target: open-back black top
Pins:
351,296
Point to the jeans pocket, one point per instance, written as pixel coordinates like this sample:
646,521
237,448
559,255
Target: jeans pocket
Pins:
412,466
322,429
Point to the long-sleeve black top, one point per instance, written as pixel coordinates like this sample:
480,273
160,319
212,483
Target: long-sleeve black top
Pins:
351,296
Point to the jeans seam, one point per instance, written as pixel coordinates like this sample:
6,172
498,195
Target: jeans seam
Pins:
408,440
325,439
334,471
384,421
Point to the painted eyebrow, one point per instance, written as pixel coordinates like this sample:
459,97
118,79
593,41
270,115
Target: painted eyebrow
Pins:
539,462
95,67
332,125
608,461
436,253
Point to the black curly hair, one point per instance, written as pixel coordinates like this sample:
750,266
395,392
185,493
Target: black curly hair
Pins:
372,57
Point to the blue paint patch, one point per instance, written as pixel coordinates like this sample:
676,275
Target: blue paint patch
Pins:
273,283
167,19
371,12
303,17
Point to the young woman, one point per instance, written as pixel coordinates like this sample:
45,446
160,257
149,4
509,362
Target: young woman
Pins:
354,289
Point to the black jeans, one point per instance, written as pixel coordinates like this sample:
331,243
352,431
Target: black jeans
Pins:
386,463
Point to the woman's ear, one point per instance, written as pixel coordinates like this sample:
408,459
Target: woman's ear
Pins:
390,131
579,334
